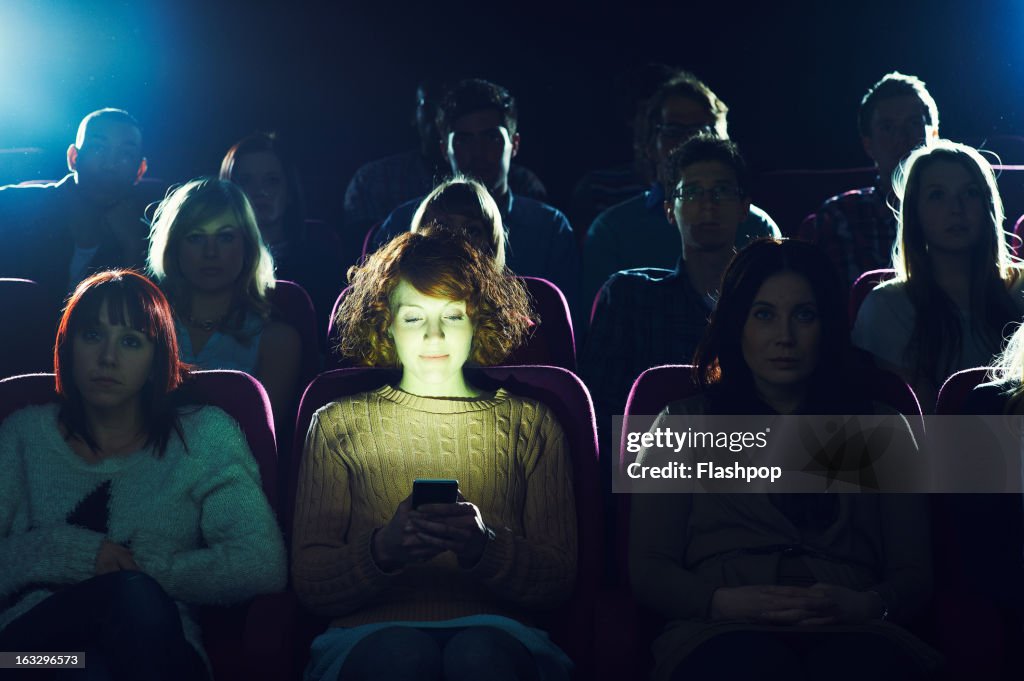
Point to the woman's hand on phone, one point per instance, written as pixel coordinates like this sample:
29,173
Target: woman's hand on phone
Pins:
399,543
457,527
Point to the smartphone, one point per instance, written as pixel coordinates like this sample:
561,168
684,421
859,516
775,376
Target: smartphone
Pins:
433,491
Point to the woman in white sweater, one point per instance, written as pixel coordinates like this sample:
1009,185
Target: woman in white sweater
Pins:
119,508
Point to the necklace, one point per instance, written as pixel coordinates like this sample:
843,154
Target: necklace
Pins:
206,325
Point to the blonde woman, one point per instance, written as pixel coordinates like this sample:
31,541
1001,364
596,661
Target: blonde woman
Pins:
207,253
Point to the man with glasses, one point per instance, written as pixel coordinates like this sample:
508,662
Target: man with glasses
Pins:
56,234
635,232
857,228
650,316
479,137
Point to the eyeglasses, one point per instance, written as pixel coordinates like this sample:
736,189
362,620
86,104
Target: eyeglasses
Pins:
694,194
671,131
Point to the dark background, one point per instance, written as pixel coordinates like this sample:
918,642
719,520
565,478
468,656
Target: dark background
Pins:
337,79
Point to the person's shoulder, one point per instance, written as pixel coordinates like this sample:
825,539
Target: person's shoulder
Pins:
638,279
31,196
385,166
845,200
207,420
32,419
336,410
540,411
991,398
532,209
400,218
615,212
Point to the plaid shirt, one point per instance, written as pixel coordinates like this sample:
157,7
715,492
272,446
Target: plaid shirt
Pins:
644,317
856,230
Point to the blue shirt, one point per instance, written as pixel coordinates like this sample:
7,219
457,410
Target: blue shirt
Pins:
223,350
636,233
538,242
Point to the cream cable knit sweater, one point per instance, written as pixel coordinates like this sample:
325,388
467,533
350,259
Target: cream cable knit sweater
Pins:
362,454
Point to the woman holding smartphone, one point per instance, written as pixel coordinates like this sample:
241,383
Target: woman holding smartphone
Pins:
443,590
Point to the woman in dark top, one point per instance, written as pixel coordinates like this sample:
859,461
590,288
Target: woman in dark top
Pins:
304,252
780,585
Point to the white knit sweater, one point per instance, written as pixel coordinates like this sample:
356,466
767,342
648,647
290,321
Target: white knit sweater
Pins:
195,521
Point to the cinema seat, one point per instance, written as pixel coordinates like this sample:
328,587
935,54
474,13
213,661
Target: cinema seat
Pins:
248,641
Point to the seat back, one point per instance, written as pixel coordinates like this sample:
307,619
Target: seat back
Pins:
552,341
292,305
568,398
863,286
27,328
371,236
956,388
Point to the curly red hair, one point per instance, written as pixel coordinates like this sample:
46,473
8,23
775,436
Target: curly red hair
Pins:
439,264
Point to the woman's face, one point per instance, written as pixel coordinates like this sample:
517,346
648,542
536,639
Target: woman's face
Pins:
782,334
433,338
951,205
261,176
212,253
110,362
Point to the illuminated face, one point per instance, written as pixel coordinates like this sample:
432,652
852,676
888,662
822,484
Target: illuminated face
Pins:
262,178
782,334
898,125
951,205
110,362
433,338
681,119
211,254
481,147
109,161
707,206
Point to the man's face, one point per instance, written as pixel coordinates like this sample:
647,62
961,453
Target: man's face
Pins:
707,206
481,147
898,125
681,119
109,161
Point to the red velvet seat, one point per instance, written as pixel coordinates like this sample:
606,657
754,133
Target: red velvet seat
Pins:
864,285
249,641
565,394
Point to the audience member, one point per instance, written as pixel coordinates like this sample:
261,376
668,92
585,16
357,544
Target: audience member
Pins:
444,590
635,232
647,316
56,234
121,508
857,229
380,186
602,189
207,253
478,123
955,288
464,206
777,585
263,169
